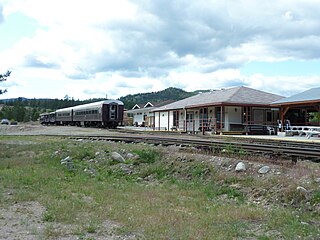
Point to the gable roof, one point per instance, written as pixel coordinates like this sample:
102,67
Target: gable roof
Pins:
148,104
312,94
137,106
236,95
148,109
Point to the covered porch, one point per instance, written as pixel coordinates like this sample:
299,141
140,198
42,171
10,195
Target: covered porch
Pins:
218,119
300,110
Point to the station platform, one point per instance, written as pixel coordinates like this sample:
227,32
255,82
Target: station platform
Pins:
295,138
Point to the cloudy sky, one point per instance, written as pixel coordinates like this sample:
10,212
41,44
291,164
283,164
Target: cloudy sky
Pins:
90,49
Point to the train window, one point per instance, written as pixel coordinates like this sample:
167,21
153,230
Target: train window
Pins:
113,111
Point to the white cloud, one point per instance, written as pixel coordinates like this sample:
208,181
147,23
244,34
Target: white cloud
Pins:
88,47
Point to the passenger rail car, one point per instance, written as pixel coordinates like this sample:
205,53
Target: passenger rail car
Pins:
108,113
48,118
64,116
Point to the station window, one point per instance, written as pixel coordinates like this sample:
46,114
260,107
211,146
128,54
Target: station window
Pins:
269,116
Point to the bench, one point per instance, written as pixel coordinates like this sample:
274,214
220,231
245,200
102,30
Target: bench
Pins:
257,130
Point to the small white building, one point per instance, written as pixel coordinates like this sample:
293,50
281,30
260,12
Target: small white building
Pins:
238,109
142,114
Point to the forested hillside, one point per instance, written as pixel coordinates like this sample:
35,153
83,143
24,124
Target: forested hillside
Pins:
171,93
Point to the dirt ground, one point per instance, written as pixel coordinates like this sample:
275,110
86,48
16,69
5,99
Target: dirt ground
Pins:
38,129
24,220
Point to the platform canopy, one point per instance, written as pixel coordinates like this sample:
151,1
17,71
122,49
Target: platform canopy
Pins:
307,101
309,97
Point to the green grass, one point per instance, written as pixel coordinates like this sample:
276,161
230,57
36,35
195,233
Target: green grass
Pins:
181,201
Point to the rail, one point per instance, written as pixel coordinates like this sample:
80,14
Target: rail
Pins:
296,151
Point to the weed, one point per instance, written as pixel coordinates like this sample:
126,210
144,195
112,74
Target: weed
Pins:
228,149
242,152
159,171
293,196
84,153
263,238
92,227
213,191
197,171
315,199
147,156
48,217
235,179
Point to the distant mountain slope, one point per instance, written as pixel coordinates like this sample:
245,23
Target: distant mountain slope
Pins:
173,94
168,95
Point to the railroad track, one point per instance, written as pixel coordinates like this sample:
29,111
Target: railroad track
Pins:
293,150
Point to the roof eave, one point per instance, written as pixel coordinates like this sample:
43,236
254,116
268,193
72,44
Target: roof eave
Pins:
309,102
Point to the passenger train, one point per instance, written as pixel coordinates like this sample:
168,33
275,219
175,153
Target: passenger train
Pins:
108,113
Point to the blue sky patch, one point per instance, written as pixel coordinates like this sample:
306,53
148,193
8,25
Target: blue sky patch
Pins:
15,27
285,68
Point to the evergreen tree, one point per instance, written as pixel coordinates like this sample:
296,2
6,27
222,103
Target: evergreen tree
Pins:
3,77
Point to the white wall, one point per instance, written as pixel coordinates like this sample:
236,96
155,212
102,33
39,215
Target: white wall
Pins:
163,120
232,116
138,118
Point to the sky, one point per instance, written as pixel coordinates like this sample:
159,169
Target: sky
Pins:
95,49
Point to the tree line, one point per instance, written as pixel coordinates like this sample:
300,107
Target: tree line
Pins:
24,110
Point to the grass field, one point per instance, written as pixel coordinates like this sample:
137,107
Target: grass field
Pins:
153,194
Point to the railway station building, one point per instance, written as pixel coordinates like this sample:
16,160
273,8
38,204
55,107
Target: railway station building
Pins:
300,109
235,110
142,115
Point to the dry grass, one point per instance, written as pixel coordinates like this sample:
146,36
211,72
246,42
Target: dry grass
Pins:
163,198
